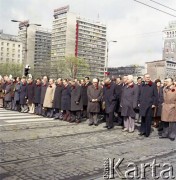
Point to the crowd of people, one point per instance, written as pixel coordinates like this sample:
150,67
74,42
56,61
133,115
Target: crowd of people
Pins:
120,99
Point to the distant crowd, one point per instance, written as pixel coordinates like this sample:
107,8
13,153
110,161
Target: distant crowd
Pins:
114,99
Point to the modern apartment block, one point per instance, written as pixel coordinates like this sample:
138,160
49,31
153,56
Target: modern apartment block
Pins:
10,49
37,47
75,36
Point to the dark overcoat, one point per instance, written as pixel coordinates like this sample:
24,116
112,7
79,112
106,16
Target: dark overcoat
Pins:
37,93
118,93
30,92
8,92
23,94
17,92
94,93
84,95
66,98
76,97
148,96
129,100
160,102
57,96
110,97
43,92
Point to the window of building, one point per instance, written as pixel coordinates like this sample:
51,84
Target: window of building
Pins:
19,45
2,48
13,45
7,49
2,43
7,44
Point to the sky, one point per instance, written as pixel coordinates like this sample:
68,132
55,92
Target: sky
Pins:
136,28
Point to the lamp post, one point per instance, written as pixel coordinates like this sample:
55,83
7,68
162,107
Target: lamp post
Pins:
107,56
26,25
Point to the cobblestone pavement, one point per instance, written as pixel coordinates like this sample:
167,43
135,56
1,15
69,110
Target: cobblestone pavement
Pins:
54,150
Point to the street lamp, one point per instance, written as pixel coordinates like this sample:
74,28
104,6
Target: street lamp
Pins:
26,25
107,55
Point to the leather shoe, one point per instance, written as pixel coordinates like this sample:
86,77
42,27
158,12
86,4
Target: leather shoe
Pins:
141,134
161,137
109,127
105,126
172,139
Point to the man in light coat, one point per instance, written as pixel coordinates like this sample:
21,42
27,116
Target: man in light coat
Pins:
168,115
49,98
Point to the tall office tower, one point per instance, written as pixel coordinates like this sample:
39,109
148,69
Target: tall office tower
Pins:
36,49
73,35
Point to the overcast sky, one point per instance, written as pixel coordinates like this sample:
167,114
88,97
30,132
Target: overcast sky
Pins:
137,28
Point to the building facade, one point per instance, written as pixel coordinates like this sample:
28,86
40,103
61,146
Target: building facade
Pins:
169,35
166,67
36,48
75,36
10,49
134,70
161,69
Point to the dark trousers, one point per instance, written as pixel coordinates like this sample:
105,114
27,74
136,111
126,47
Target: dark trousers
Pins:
38,109
93,118
66,115
146,122
49,112
75,115
57,113
110,119
16,105
8,105
84,112
43,111
169,130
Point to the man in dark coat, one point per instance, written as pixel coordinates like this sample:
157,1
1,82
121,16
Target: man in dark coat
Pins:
119,85
148,98
17,88
95,94
23,96
76,102
84,87
158,109
66,101
30,95
129,102
57,98
8,94
37,97
43,92
110,99
3,90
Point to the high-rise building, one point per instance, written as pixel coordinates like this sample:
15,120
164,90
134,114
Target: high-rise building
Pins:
37,47
75,36
169,50
10,49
